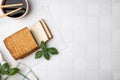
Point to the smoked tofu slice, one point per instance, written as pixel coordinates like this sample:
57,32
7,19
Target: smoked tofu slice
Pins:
21,44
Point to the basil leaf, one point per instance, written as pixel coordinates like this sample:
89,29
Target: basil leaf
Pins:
3,72
38,54
45,50
43,45
13,71
53,51
46,56
4,66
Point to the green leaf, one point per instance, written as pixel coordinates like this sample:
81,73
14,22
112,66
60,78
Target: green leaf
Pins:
46,50
3,72
53,51
38,54
47,56
4,68
43,45
13,71
5,65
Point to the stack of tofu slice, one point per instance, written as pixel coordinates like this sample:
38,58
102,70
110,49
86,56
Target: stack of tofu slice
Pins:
41,31
23,42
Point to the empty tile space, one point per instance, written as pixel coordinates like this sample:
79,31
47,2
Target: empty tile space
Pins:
57,8
105,63
79,22
105,9
67,9
115,36
66,75
79,63
99,75
92,63
116,1
79,50
53,75
92,36
67,24
115,49
92,75
106,23
105,37
105,75
105,49
92,23
92,49
66,64
115,9
79,8
92,9
115,23
116,75
79,75
115,63
79,36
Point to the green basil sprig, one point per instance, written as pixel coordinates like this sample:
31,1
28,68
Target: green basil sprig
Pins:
45,51
5,70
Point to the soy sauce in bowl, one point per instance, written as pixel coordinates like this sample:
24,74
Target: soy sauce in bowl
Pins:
19,13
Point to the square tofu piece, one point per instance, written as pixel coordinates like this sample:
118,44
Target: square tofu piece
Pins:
41,32
21,43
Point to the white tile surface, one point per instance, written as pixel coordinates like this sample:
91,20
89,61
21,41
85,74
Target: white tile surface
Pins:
116,75
91,30
104,75
115,49
82,63
92,36
115,63
105,37
105,22
105,63
105,49
79,75
92,63
93,75
92,50
105,9
115,9
92,9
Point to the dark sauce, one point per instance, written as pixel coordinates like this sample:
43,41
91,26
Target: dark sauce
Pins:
18,13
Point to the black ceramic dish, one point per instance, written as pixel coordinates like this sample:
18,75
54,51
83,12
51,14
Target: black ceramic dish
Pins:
19,14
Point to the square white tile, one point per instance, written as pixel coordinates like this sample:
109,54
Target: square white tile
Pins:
93,49
105,9
105,23
115,9
79,63
92,23
115,49
92,36
115,63
92,63
105,63
116,75
79,75
105,50
92,9
105,75
105,37
93,75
